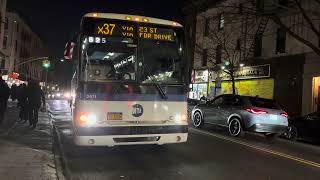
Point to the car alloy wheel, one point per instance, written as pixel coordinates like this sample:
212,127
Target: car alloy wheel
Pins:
235,128
197,119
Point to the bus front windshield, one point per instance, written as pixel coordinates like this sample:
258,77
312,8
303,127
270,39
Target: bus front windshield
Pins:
132,52
162,61
109,59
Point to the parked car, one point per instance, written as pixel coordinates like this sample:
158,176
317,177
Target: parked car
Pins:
242,113
304,127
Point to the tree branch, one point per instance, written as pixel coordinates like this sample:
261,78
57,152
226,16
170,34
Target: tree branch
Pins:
278,21
307,18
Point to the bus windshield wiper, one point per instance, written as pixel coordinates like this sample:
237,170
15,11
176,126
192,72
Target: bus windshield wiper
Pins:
157,85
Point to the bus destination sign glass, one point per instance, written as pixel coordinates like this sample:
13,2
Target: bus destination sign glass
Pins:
130,31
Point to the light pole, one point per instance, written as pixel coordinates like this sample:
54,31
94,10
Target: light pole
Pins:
46,65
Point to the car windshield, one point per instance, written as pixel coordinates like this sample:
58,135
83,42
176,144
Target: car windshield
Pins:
264,103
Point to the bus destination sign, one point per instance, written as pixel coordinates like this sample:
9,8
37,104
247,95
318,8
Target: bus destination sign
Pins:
130,31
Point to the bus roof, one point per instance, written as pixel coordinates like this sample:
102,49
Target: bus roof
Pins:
129,17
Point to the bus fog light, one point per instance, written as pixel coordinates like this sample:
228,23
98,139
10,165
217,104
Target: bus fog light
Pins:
180,117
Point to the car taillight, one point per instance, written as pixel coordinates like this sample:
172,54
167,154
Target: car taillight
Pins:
284,114
256,111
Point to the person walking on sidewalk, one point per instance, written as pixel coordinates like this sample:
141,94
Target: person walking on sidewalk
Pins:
13,92
22,102
4,96
35,95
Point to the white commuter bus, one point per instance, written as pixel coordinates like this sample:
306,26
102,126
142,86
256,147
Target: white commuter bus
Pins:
130,81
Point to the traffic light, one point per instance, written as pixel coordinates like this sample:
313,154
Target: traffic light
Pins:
46,64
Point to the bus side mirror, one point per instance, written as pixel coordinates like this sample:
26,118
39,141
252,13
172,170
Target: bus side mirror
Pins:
68,52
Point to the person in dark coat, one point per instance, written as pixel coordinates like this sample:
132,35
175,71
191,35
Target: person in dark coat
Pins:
35,95
23,102
14,90
4,96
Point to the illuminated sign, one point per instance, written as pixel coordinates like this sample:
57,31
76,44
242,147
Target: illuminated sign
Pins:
133,31
249,72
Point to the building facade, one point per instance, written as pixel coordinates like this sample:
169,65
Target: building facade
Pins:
267,60
3,4
20,45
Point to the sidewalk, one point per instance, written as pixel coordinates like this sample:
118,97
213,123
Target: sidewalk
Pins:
27,154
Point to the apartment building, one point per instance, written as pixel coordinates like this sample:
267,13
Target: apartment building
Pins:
3,4
22,44
269,60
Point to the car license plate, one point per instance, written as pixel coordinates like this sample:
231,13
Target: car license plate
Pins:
273,117
114,116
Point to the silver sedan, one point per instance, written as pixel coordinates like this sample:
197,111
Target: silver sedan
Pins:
242,113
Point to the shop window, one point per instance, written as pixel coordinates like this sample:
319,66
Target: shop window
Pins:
205,57
258,46
281,41
218,54
221,21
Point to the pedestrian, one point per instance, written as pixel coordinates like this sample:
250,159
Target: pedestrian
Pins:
22,102
4,96
13,92
35,95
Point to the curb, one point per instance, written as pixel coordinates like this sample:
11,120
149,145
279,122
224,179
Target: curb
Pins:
67,171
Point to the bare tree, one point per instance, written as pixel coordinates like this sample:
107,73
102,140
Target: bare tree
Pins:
223,48
309,10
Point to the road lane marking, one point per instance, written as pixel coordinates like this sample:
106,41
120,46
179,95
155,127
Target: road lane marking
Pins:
311,163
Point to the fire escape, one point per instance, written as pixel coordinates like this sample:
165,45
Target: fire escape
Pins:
259,33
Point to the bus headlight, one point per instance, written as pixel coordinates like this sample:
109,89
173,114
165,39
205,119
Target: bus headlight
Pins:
87,119
180,117
92,119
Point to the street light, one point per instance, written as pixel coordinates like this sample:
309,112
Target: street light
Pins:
62,60
46,64
241,64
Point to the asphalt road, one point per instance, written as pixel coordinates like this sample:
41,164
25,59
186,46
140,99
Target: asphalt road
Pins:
209,154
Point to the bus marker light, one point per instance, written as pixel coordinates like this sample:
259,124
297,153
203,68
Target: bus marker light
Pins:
95,15
128,18
145,20
137,19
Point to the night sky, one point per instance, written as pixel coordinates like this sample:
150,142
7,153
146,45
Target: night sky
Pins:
57,20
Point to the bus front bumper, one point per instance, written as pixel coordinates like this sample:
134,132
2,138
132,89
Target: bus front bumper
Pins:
111,136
